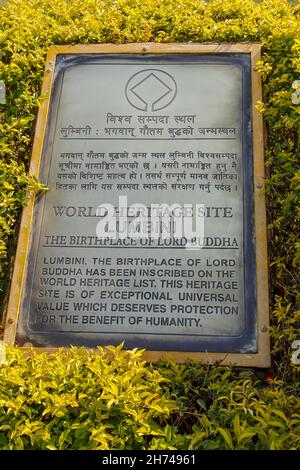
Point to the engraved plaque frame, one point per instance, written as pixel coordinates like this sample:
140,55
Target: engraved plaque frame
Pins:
262,357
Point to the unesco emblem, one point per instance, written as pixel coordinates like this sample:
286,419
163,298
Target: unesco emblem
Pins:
150,90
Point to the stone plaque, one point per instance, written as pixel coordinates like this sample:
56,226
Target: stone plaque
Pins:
152,231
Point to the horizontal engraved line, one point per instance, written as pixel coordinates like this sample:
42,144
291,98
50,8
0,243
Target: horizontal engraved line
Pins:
143,247
141,138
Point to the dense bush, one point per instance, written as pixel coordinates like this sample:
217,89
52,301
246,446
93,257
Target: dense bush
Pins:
220,403
84,400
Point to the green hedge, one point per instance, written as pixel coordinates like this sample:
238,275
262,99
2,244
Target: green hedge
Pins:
84,400
27,29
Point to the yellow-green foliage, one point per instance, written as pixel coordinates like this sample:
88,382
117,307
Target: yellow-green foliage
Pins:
27,29
80,400
86,400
